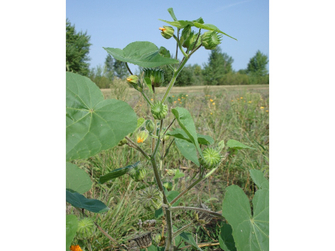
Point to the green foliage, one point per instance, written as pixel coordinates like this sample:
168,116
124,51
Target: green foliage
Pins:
71,229
117,173
80,201
77,49
250,230
77,179
257,64
92,123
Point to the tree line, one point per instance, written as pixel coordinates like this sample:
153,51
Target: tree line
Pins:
217,71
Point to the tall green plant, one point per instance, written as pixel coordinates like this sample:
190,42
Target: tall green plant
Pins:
94,124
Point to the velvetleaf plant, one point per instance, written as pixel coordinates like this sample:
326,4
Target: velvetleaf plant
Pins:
94,124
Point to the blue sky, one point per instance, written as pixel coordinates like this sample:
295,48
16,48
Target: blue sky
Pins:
117,23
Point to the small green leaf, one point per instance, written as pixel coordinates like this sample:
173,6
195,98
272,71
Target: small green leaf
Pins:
77,179
92,123
188,150
226,239
186,122
71,228
144,54
234,144
80,201
205,139
187,237
178,174
117,173
170,10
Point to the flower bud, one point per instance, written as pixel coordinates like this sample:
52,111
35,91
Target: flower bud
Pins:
167,31
185,34
133,80
189,43
211,158
150,198
156,76
138,174
210,40
86,228
164,52
159,110
150,126
142,136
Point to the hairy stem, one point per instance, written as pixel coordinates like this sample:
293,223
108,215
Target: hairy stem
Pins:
133,144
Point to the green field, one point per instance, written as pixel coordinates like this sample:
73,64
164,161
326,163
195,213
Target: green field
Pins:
222,112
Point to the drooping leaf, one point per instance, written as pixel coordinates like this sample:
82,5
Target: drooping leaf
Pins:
142,53
234,144
226,239
71,229
188,150
186,122
250,232
202,139
117,173
92,123
170,10
80,201
187,237
77,179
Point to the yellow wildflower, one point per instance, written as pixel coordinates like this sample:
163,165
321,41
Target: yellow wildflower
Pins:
249,102
262,107
213,103
179,99
267,110
241,97
142,136
152,99
75,248
175,102
211,100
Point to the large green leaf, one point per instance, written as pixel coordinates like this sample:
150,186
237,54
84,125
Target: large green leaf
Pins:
234,144
117,173
226,239
142,53
202,139
77,179
80,201
259,179
92,123
250,232
71,229
186,122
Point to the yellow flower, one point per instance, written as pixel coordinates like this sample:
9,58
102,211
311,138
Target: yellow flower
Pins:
241,97
186,95
249,102
211,100
175,102
179,99
267,110
172,96
213,103
262,107
152,99
75,248
142,136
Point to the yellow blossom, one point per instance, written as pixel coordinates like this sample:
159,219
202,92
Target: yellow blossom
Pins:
262,107
213,103
175,102
75,248
241,97
179,99
211,100
249,102
267,110
142,136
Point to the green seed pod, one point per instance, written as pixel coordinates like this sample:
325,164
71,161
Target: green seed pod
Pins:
210,40
150,198
164,52
167,31
185,34
138,174
211,158
159,110
86,228
150,126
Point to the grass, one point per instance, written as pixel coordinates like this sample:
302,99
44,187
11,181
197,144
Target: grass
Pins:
241,114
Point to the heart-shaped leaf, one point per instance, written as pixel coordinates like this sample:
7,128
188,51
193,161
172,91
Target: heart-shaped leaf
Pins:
226,239
259,179
142,53
117,173
71,229
80,201
92,123
188,150
77,179
250,232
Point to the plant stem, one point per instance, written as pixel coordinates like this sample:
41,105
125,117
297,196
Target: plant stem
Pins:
187,189
197,209
146,98
175,234
133,144
128,69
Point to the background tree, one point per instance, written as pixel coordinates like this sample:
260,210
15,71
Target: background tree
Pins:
120,69
257,64
109,67
77,49
218,65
